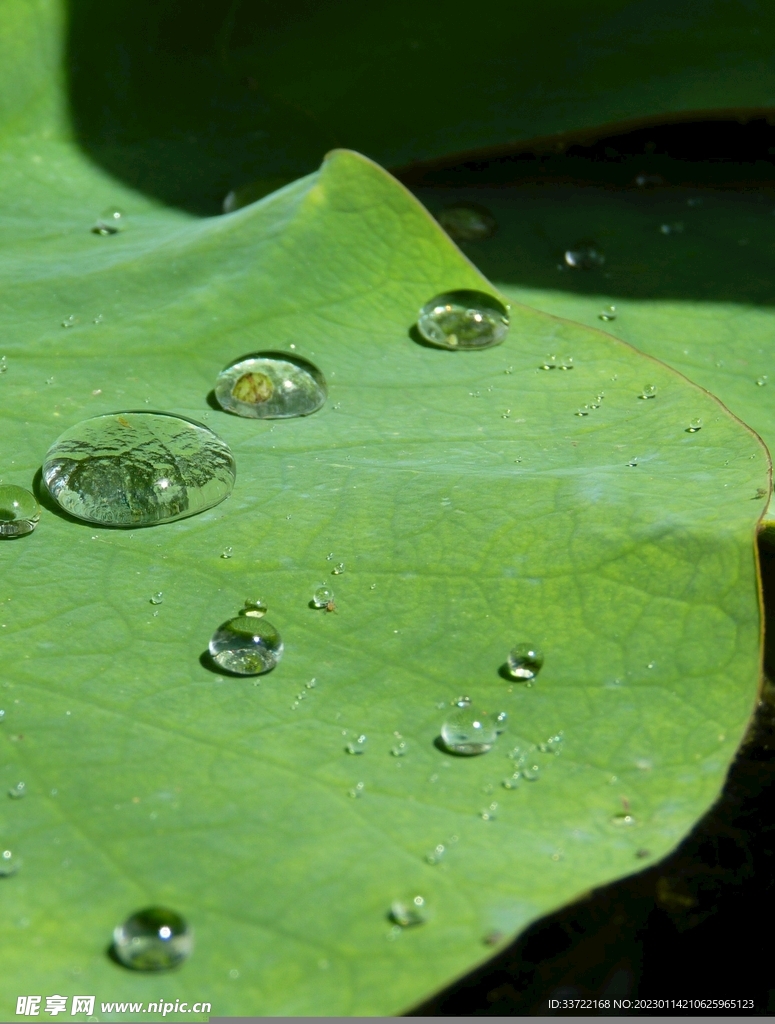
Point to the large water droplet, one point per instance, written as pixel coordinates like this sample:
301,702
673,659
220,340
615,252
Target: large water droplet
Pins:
467,729
463,319
524,662
9,863
271,385
246,646
153,939
408,912
19,511
467,222
322,597
138,469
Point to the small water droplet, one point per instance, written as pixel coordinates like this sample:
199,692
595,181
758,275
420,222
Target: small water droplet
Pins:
357,746
18,791
524,661
157,598
531,772
633,462
3,364
227,552
760,381
694,426
649,391
246,646
553,745
672,229
338,569
623,818
489,813
644,180
110,222
407,913
463,319
98,319
19,512
2,715
330,556
311,684
467,729
271,385
400,749
512,781
467,222
138,469
9,863
435,855
357,791
254,607
607,313
69,321
505,415
583,257
583,411
500,720
153,939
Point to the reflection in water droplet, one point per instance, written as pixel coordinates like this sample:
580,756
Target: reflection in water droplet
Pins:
138,469
607,313
254,607
467,729
18,791
271,385
584,257
463,319
157,598
649,391
524,661
694,426
356,746
153,939
246,646
467,222
9,863
408,912
19,511
338,569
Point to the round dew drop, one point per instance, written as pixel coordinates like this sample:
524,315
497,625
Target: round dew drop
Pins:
9,863
322,597
271,385
246,646
254,607
649,391
407,913
468,730
463,319
694,426
153,939
19,512
524,662
138,469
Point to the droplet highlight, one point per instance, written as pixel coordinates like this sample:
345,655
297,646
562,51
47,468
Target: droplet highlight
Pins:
246,646
138,469
463,319
271,385
467,729
19,511
154,939
583,257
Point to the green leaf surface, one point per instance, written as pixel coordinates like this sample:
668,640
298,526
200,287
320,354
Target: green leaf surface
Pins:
698,295
472,509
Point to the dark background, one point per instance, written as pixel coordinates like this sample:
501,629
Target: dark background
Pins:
697,924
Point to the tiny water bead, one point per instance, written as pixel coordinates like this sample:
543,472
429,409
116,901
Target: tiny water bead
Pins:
557,363
694,426
9,863
110,222
407,913
649,391
271,385
18,791
760,381
583,257
227,552
3,364
436,854
322,597
138,469
338,569
467,729
467,222
19,511
246,646
607,314
357,746
157,598
254,607
463,320
154,939
524,662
